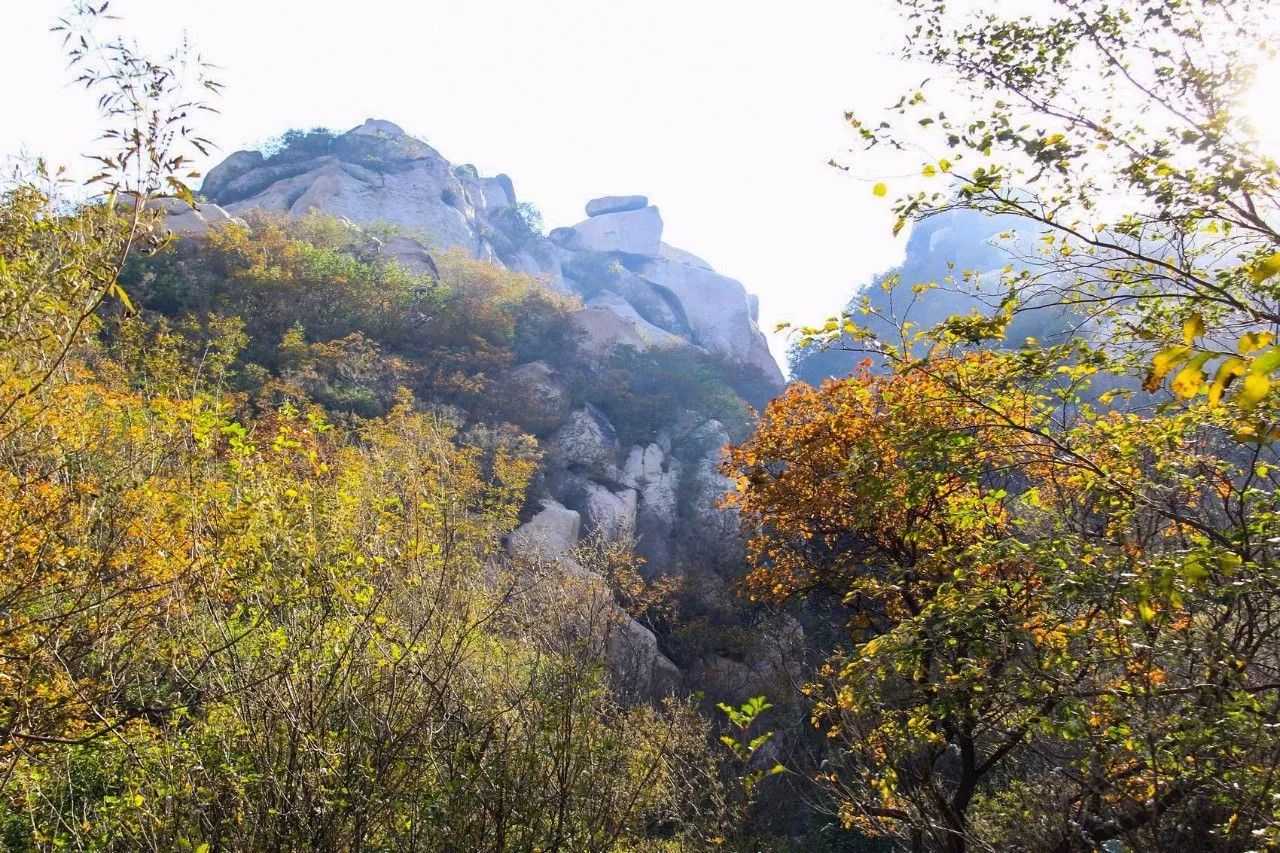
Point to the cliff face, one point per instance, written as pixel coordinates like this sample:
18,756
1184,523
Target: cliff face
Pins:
638,291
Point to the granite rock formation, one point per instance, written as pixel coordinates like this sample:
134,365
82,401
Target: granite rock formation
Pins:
644,293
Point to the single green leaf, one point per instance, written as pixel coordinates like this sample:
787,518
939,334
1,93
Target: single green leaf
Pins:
1266,363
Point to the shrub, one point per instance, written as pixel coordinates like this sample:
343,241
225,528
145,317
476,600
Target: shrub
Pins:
298,144
521,223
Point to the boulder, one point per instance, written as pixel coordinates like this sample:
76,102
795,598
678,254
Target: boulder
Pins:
615,204
587,441
657,305
658,494
713,592
655,545
609,301
580,609
726,679
709,490
705,443
543,381
655,478
608,513
630,232
560,236
680,256
537,260
497,192
411,201
377,127
667,679
608,321
701,435
184,220
410,197
550,535
632,651
718,311
228,170
410,254
573,607
656,515
536,397
770,665
643,464
382,145
663,440
259,179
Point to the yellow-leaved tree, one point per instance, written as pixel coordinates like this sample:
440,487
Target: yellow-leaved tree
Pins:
232,625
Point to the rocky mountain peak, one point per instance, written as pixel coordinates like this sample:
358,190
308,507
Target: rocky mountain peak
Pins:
378,127
658,489
639,291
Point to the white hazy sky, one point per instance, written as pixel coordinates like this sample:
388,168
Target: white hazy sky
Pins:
723,113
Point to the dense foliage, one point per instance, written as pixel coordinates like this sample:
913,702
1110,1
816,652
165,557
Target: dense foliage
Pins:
254,489
240,625
321,315
1059,605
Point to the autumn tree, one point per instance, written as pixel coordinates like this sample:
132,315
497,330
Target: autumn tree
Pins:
1059,590
1115,139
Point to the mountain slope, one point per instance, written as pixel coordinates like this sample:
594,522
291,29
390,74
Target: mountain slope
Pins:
628,359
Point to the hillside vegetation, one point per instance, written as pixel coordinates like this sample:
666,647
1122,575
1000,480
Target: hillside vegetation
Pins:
238,615
322,534
255,492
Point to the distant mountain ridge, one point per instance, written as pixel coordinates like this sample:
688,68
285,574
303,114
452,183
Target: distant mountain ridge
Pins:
965,255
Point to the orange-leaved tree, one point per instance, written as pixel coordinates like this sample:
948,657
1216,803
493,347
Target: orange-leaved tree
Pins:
1036,612
1089,658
